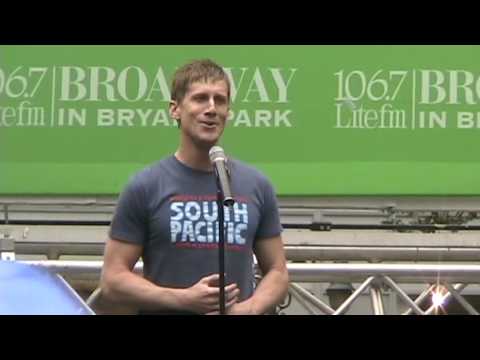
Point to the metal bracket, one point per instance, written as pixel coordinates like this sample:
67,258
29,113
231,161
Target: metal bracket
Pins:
7,246
320,223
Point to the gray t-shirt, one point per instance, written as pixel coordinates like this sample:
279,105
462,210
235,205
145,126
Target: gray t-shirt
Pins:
170,209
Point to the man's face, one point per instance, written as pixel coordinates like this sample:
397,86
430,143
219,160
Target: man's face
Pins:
203,112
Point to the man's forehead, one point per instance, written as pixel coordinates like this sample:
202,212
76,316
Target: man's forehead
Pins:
210,85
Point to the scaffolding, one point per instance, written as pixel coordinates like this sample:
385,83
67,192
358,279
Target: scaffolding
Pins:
446,280
360,249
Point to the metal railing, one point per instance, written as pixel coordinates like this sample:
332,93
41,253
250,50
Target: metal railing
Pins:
445,280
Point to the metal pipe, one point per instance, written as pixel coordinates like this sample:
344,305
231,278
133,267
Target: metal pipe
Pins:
425,293
308,272
302,301
56,222
394,227
94,296
402,295
323,203
461,300
344,307
5,211
312,299
75,267
376,297
381,253
58,200
307,226
42,248
292,252
414,273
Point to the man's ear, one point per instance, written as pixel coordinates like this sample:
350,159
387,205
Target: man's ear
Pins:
174,110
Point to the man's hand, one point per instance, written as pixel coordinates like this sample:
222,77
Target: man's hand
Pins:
203,297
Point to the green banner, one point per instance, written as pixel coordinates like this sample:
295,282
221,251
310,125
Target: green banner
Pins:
318,120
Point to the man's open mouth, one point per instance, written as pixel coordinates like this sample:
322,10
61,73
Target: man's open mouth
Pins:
209,124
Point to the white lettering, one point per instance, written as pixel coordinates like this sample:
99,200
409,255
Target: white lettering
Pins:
177,208
95,83
188,211
122,83
282,86
105,117
161,81
72,77
257,85
426,86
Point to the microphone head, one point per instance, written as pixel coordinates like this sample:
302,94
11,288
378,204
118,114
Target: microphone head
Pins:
216,153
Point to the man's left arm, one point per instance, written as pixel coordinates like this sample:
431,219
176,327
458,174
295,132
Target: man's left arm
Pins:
273,287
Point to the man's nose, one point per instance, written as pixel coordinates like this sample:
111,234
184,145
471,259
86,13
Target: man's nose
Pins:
211,105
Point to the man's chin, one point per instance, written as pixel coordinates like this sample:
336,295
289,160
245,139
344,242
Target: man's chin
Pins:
206,143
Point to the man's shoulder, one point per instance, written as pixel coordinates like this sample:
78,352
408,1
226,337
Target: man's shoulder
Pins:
150,174
248,170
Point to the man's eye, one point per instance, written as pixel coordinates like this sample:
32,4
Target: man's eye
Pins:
221,100
200,98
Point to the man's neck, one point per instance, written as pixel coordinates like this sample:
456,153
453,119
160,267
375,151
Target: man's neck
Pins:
194,157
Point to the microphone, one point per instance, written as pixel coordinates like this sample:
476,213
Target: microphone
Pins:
219,162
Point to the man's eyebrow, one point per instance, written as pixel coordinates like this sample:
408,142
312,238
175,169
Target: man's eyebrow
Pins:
201,93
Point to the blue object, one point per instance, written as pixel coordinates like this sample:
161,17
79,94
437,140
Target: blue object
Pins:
33,290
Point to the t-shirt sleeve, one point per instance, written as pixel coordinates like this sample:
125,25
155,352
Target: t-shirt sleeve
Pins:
269,224
129,222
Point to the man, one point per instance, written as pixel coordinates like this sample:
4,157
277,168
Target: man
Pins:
168,215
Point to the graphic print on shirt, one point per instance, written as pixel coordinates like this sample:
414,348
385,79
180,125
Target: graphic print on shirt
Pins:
194,222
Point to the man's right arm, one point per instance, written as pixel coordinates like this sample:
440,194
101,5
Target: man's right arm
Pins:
120,284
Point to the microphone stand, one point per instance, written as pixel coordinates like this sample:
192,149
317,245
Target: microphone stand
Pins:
221,250
221,243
